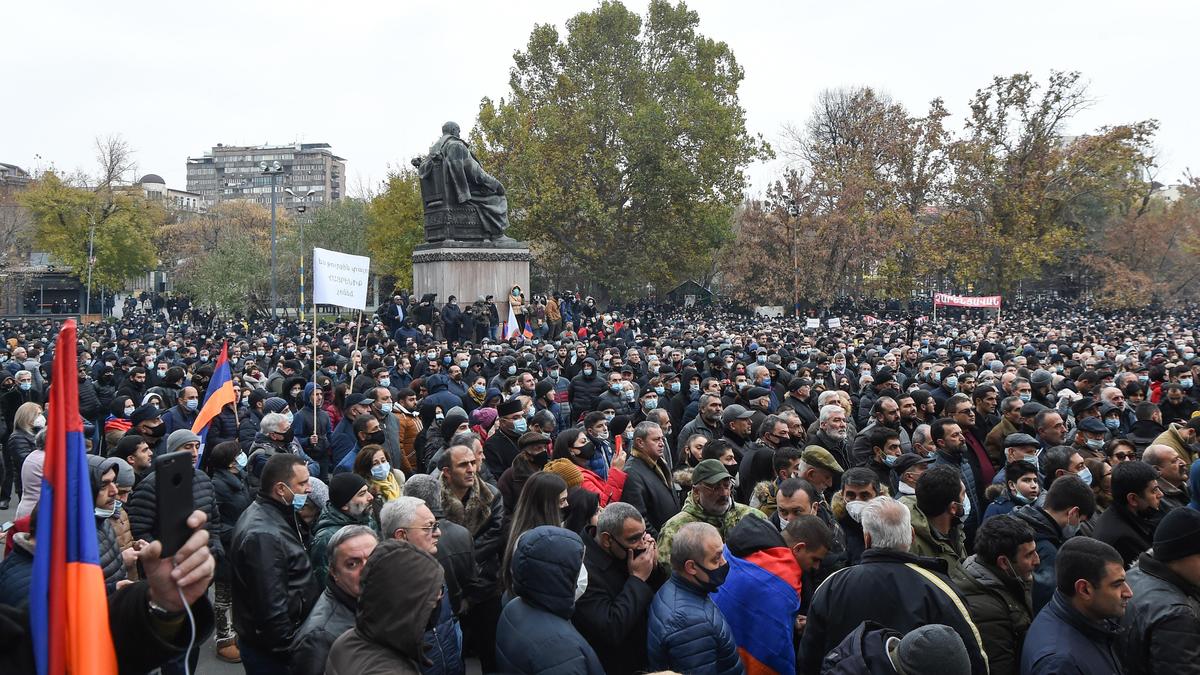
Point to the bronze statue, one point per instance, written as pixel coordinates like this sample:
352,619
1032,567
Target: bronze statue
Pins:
462,201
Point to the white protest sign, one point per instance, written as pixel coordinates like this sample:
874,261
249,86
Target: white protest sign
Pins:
340,279
812,323
834,323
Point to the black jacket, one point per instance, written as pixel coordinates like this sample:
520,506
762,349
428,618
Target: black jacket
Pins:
232,498
611,615
273,584
331,616
142,645
1161,623
456,553
647,493
1129,533
583,392
899,590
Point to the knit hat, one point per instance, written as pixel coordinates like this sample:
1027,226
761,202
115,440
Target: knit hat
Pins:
484,417
1177,535
451,421
542,388
124,473
564,469
275,405
343,487
179,437
932,648
320,492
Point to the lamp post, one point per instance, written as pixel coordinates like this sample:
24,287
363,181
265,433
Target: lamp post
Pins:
300,209
272,169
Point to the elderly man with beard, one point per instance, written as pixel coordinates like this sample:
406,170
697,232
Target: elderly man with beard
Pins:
885,413
832,434
711,501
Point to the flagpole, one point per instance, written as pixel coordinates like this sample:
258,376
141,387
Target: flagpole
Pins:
357,337
315,367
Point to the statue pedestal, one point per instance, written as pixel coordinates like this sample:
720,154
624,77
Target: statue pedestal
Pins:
470,270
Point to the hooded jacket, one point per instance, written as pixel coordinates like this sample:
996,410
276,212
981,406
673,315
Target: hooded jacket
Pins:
110,551
585,390
392,618
535,634
438,386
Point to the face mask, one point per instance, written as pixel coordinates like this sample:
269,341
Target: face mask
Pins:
675,387
609,418
104,513
117,506
1017,496
1095,444
376,437
554,374
25,386
906,489
716,577
650,404
581,582
952,383
241,460
694,388
628,395
854,510
660,390
1085,475
381,471
39,422
762,359
1143,379
192,404
162,373
793,367
766,382
1112,423
588,451
385,381
479,389
298,499
464,364
1185,382
520,425
602,436
1026,397
966,510
1031,461
290,417
385,408
890,460
587,372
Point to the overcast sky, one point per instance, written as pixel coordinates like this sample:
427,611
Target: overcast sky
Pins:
377,79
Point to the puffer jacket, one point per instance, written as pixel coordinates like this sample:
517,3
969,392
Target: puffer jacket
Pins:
688,634
443,644
248,428
273,584
390,624
20,444
331,616
1002,610
111,564
585,391
1161,623
143,510
16,572
329,522
224,427
535,633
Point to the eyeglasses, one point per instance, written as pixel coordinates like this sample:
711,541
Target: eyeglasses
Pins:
1122,456
430,528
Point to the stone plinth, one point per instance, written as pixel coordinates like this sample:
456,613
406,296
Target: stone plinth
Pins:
469,270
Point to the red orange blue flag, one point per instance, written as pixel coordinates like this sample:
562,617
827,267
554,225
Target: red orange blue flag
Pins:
220,393
68,607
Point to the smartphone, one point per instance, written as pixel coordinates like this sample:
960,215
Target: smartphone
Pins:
173,492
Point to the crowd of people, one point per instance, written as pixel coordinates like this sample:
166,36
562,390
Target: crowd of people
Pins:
649,488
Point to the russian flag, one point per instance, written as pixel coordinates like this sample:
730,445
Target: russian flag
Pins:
220,393
760,600
68,607
510,327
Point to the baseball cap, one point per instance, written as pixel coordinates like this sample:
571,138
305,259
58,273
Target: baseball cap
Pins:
709,472
815,455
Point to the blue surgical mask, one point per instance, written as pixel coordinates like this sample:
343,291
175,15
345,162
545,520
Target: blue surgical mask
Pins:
1185,382
554,374
104,513
1096,444
650,404
1143,379
762,359
520,425
766,382
385,407
675,387
381,471
512,370
25,386
1085,475
660,390
299,499
890,460
1026,397
952,382
480,389
1112,423
129,411
290,417
192,404
385,381
241,460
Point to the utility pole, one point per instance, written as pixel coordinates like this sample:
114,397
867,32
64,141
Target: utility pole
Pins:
272,170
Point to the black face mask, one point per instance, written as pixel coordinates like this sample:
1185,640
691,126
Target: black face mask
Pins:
375,438
588,451
288,436
156,432
540,459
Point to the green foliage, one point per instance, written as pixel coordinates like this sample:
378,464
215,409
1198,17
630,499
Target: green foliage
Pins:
340,226
621,146
394,227
235,275
125,226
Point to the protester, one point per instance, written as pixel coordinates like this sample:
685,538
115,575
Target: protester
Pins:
1128,525
1000,577
347,551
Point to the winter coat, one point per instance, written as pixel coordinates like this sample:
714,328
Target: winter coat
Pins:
224,427
16,572
1061,641
1047,538
111,564
330,617
1172,439
609,490
692,513
648,492
456,553
951,548
273,584
178,418
612,613
248,428
20,444
232,497
897,589
584,391
688,634
443,644
329,522
389,629
143,510
90,407
863,652
535,634
1002,610
1161,626
1129,533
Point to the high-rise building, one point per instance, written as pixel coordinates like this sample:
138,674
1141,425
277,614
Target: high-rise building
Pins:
233,172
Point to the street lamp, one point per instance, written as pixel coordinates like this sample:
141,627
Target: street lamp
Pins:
300,209
272,169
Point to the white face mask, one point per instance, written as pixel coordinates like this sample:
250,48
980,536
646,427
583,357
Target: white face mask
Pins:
906,489
581,582
855,509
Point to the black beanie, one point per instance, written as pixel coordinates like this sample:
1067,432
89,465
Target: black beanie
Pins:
1178,535
343,487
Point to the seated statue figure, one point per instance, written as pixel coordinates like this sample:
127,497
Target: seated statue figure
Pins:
461,200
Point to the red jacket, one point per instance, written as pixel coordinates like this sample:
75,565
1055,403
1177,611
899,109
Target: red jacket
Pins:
610,490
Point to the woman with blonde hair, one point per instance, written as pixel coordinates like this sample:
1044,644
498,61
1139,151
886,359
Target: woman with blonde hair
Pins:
27,421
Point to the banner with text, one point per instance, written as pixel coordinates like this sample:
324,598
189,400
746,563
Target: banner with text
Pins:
340,279
975,302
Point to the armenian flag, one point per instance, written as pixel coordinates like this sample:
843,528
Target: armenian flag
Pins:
528,332
68,607
761,596
220,393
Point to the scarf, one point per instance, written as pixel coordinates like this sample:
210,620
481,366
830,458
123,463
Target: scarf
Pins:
472,514
477,398
658,467
388,488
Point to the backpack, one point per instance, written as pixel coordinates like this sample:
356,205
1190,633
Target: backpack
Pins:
862,652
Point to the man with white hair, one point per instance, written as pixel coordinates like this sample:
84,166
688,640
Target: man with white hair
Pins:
833,434
890,586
